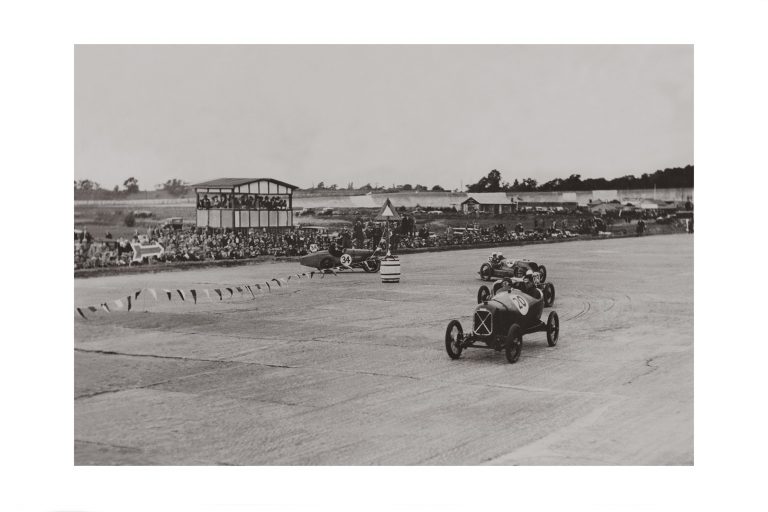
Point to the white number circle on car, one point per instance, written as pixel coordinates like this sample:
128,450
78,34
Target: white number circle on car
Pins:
346,260
313,248
521,304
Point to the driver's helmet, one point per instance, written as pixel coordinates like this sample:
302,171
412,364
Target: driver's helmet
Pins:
497,256
529,276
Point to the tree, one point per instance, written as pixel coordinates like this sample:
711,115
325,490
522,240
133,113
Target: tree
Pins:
438,188
175,187
87,185
321,185
333,187
420,188
407,186
131,185
490,183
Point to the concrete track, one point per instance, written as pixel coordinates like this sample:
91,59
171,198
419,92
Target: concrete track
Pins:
347,370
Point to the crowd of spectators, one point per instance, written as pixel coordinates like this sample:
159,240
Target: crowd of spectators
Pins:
242,201
199,244
213,245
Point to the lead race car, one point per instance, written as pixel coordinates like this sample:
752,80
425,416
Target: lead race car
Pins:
500,322
335,256
499,267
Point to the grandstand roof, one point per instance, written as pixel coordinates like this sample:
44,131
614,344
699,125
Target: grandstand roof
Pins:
234,182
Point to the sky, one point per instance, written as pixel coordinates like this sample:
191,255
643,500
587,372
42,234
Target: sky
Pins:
380,114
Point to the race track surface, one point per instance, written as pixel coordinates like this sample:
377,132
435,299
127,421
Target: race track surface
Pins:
347,370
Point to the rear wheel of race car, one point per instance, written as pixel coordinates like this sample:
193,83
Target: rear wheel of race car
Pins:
549,295
454,336
483,294
514,343
486,272
326,263
553,328
542,273
371,266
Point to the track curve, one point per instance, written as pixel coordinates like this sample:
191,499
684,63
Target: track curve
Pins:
347,370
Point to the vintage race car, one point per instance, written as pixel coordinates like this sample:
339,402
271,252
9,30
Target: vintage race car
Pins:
335,256
499,267
500,322
547,289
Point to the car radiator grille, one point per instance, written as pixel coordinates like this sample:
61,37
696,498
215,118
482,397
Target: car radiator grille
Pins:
483,323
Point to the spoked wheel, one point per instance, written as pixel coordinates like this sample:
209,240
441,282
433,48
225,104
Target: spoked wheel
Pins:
543,273
514,343
372,266
553,328
483,294
549,295
454,337
326,263
486,271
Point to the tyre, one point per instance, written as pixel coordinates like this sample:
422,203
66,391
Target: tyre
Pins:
483,294
543,272
549,295
486,272
454,336
553,328
372,266
513,343
326,263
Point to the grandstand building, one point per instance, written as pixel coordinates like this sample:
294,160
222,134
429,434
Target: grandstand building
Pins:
243,203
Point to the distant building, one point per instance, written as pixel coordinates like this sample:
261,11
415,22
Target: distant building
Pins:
243,203
488,202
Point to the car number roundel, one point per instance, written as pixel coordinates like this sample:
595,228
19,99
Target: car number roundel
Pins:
521,304
313,248
346,260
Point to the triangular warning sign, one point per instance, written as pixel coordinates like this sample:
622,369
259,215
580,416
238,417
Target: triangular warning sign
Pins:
388,212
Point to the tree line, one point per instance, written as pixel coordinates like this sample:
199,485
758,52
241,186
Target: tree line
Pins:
88,189
675,177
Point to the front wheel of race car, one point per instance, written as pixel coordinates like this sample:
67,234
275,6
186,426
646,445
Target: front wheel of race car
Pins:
454,337
326,263
371,266
514,343
483,294
542,273
553,328
549,294
486,272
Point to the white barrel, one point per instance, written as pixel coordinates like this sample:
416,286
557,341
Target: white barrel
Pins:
390,270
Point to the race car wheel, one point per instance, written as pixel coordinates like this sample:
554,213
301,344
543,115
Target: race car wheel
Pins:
454,337
483,294
325,263
543,273
372,266
553,328
514,343
549,295
486,272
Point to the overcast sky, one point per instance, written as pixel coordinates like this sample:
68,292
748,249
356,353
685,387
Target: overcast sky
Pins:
380,114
